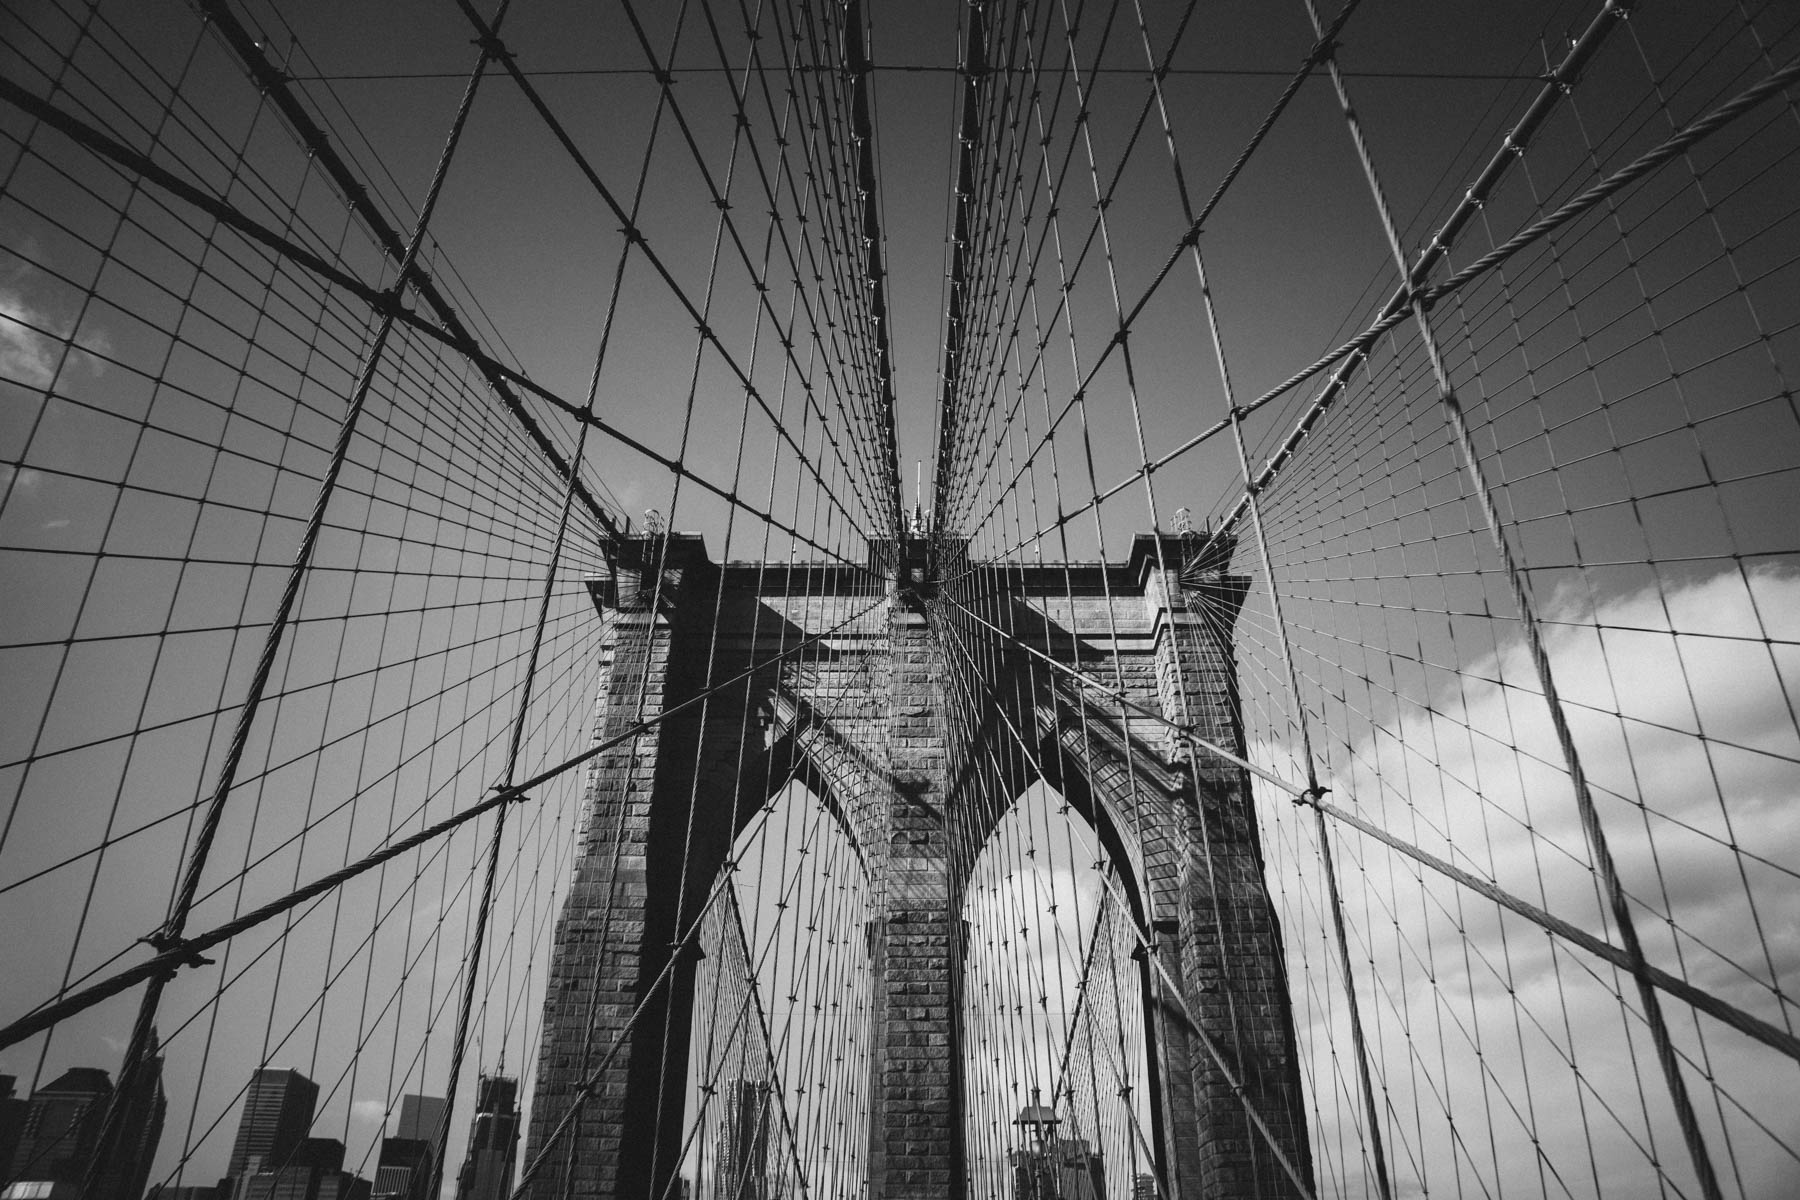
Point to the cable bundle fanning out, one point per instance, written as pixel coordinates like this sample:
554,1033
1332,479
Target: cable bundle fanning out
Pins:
480,718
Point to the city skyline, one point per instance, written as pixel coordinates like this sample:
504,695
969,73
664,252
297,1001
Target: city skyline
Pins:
49,1143
460,613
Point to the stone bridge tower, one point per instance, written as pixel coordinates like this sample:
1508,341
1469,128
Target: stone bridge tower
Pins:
919,720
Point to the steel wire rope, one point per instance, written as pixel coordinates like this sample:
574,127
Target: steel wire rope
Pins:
110,1113
566,1121
394,196
1097,228
844,288
1084,381
985,242
49,1014
499,370
1173,990
1580,51
1037,995
1721,1010
1709,206
1069,323
1180,683
259,775
1356,346
777,1048
718,596
1373,1113
632,233
862,224
250,55
1083,96
1606,872
495,369
1083,1021
26,443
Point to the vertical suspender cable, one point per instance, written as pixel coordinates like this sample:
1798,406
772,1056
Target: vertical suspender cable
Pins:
169,934
1604,865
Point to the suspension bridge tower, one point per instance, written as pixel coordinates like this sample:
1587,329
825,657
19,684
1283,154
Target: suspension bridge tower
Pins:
900,717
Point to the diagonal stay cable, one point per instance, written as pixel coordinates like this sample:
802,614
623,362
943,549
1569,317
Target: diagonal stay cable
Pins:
186,953
1350,354
1196,226
1555,86
171,931
276,85
707,333
1210,1044
1706,1002
456,338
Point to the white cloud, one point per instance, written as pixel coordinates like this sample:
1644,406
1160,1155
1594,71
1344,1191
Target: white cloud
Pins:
1491,1041
27,353
368,1112
32,341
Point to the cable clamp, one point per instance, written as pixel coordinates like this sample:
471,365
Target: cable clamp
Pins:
491,45
163,941
1322,51
1314,795
388,302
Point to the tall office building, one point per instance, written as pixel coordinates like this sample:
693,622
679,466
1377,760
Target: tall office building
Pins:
278,1111
186,1191
422,1120
1144,1187
61,1128
410,1158
138,1130
55,1136
313,1170
12,1119
493,1141
744,1154
404,1170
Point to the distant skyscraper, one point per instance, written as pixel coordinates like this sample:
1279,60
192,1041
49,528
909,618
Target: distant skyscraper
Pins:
422,1120
61,1128
493,1141
162,1191
311,1171
344,1186
1144,1188
410,1158
138,1131
278,1111
54,1138
404,1169
12,1119
744,1156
